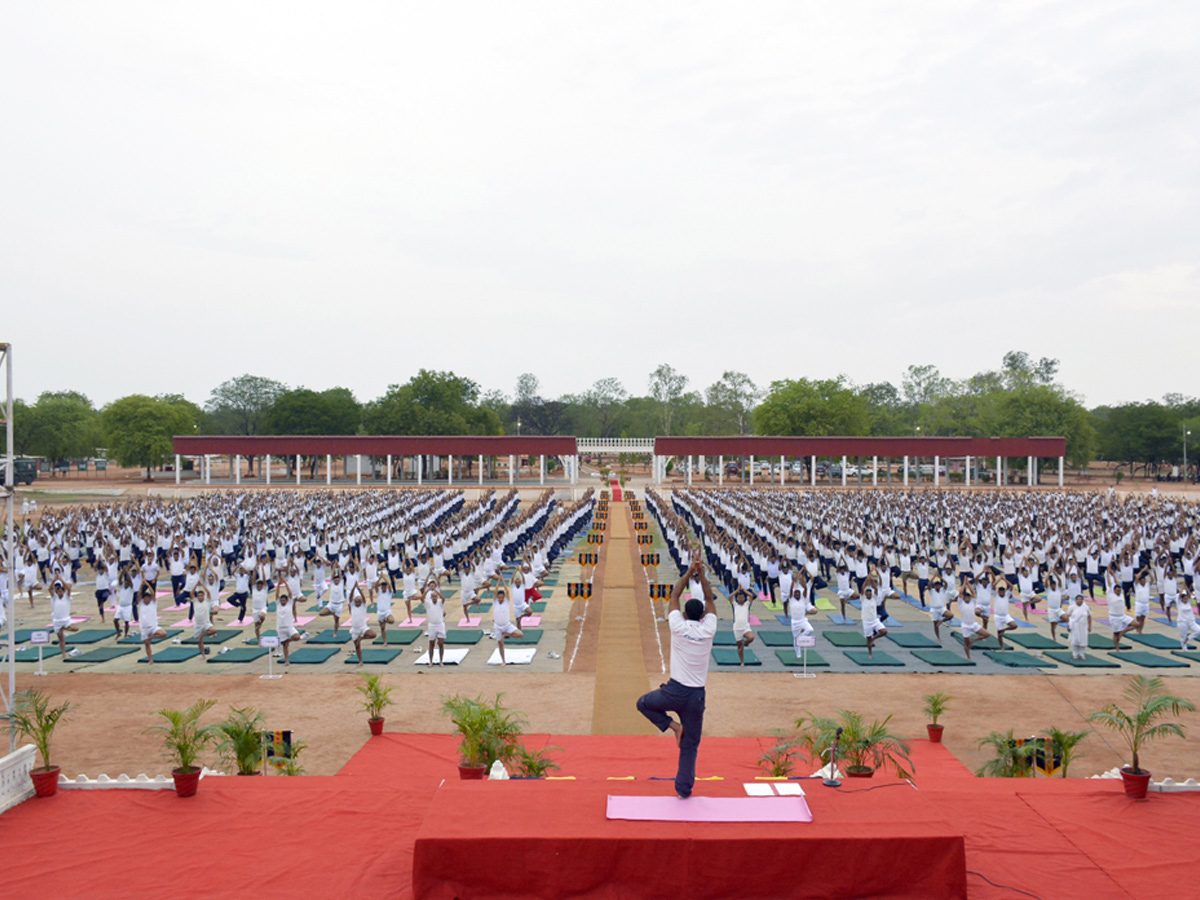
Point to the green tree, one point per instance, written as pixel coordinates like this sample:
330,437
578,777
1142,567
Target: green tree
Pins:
601,407
667,387
816,408
139,429
62,425
887,412
242,405
303,411
730,403
431,403
1047,410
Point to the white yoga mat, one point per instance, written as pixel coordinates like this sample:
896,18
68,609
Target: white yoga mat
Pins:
453,656
516,656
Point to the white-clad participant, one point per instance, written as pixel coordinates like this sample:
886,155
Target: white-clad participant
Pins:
383,605
972,631
359,628
259,597
435,621
1003,621
743,636
502,624
872,627
60,613
285,620
1118,619
337,599
148,622
1189,628
1079,625
939,600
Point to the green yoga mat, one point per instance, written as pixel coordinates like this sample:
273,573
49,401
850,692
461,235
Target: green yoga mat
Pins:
844,639
1033,642
789,658
103,654
724,638
1148,660
1104,642
988,643
310,656
1157,641
21,635
238,655
914,641
1088,662
1016,659
1193,655
174,655
464,636
942,658
267,632
539,607
879,659
137,640
222,635
401,636
728,656
774,638
328,637
531,637
375,656
91,636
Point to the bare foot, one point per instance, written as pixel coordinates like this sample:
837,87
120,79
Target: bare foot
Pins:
678,729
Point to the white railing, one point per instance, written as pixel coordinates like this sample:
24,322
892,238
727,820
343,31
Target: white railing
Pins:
615,445
15,785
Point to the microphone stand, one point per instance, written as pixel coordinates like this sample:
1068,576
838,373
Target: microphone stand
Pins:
832,780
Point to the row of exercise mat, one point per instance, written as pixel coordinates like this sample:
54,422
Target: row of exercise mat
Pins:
1016,653
319,648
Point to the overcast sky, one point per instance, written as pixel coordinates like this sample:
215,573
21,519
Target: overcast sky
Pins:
340,194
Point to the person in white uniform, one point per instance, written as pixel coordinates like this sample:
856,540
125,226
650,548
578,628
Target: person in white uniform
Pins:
502,624
1003,621
285,620
259,596
1187,624
435,620
1079,626
359,628
383,604
60,613
148,621
968,614
742,632
692,633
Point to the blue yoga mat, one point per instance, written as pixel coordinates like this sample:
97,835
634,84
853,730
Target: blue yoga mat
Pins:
840,620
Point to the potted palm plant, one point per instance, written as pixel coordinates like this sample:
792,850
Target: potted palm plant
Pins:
241,744
935,705
488,731
868,746
779,760
375,698
184,739
1149,702
36,719
534,763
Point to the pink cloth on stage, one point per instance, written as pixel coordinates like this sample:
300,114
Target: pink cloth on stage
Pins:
709,809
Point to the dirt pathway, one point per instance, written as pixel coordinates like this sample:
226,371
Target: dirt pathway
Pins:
620,663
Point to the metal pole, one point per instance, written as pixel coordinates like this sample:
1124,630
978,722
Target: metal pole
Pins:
10,548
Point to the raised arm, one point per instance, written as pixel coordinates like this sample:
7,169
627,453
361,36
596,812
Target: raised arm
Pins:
677,591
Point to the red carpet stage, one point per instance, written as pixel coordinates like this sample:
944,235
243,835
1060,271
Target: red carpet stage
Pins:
354,834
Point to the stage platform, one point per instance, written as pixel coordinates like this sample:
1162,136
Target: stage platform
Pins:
355,834
552,840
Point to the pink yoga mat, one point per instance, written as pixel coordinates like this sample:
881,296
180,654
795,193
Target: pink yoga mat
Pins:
158,594
472,622
754,620
182,623
304,620
531,621
709,809
414,622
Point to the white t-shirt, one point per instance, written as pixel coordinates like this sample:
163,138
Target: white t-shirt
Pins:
691,643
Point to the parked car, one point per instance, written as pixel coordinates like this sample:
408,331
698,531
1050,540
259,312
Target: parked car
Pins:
796,468
926,471
24,471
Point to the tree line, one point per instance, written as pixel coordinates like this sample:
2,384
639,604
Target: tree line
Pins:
1020,398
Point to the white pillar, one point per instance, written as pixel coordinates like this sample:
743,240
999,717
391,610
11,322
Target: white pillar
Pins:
389,470
575,469
297,470
512,464
449,471
207,469
721,471
843,471
420,469
267,462
906,471
812,470
329,468
874,471
1029,471
689,471
177,464
782,470
937,479
541,468
481,470
700,468
967,473
236,460
999,471
1060,472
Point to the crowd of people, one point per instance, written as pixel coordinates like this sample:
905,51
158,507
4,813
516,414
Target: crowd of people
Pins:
355,549
988,554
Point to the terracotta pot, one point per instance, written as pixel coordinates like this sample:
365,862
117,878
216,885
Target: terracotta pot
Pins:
376,727
935,733
1135,785
45,781
186,782
859,771
472,773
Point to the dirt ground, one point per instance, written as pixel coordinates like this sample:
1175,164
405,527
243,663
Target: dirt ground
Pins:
105,733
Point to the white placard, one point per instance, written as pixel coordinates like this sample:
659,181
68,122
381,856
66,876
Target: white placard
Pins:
268,642
806,640
39,637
